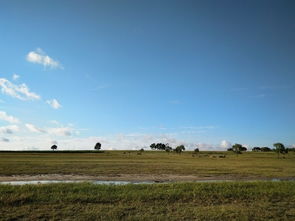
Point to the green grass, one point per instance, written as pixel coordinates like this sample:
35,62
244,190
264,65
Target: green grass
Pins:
246,165
179,201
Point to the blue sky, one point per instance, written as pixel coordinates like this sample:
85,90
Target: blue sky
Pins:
130,73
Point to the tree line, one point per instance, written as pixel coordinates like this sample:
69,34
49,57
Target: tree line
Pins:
167,148
279,148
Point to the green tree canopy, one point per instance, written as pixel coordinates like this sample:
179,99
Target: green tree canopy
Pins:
238,148
97,146
53,147
179,149
279,149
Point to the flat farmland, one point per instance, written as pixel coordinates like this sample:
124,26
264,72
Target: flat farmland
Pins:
125,165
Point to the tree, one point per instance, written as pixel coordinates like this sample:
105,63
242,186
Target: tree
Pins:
243,149
256,149
53,147
279,149
237,148
197,150
168,148
97,146
265,149
153,146
179,149
160,146
291,149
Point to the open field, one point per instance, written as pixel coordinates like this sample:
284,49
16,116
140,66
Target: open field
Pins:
262,200
150,165
178,201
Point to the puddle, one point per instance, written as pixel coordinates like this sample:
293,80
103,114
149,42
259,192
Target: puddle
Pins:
98,182
105,182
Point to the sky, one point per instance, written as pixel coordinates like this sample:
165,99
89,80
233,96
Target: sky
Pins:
206,74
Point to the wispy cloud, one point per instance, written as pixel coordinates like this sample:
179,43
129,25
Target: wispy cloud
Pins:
40,57
10,129
15,77
100,87
274,87
55,122
33,128
11,119
199,127
239,89
54,103
58,131
4,139
21,91
259,96
61,131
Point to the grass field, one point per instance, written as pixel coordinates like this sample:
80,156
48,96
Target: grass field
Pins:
178,201
261,200
114,163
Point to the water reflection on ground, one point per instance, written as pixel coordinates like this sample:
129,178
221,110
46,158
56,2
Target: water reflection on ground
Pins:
99,182
106,182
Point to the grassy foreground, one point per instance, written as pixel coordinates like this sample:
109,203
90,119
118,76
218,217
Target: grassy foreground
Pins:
206,164
179,201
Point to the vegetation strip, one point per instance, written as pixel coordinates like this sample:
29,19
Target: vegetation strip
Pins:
179,201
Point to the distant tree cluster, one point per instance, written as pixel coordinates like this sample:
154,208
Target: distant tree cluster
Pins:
237,148
261,149
291,149
166,147
279,148
161,146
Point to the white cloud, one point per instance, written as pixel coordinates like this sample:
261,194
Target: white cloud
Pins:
55,122
34,129
61,131
225,144
10,129
15,77
40,57
4,116
58,131
67,140
3,139
54,103
20,91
